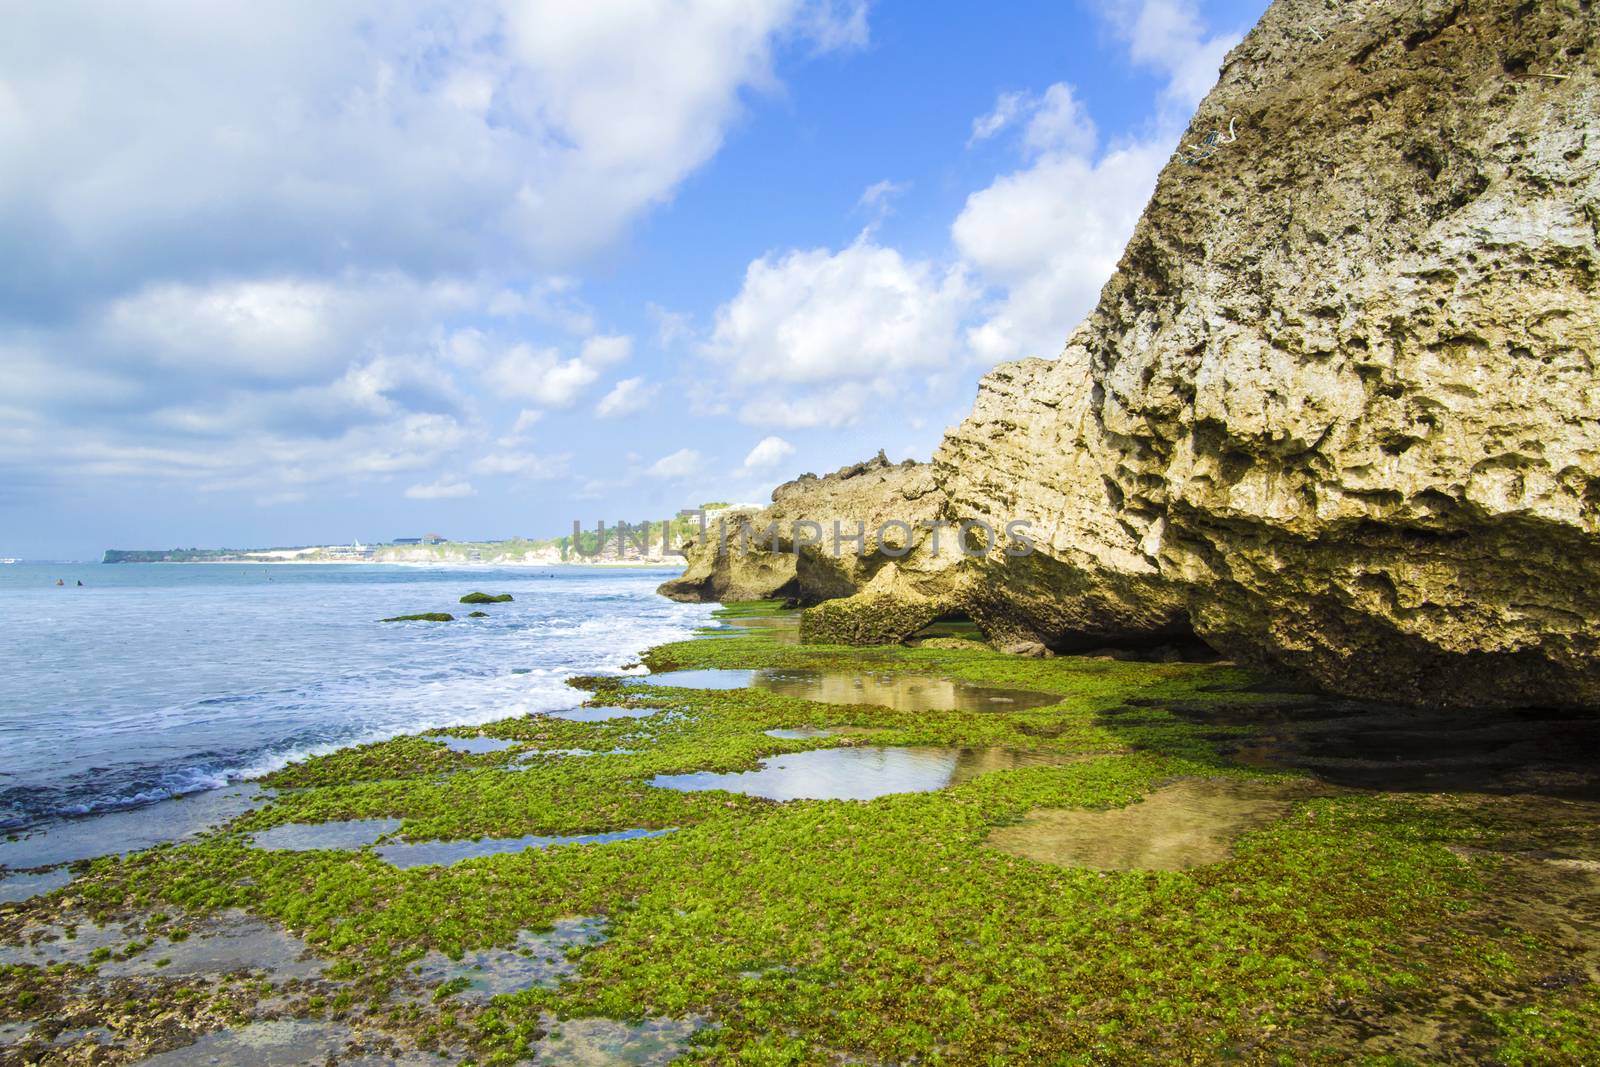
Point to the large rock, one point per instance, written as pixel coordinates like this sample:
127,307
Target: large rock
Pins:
1338,407
790,548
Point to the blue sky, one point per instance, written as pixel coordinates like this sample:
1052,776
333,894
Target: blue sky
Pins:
299,273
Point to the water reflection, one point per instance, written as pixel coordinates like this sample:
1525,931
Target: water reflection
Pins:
861,773
309,837
779,629
892,689
444,853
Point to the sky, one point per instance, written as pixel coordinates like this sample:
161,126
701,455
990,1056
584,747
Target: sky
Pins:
304,273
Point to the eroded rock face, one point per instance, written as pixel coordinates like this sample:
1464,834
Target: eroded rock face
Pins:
789,549
1339,405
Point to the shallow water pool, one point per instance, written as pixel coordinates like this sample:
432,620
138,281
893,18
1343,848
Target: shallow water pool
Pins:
892,689
862,773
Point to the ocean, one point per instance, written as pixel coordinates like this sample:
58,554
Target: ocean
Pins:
158,680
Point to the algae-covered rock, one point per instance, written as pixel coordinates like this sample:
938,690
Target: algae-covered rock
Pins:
485,598
868,619
426,616
477,614
820,538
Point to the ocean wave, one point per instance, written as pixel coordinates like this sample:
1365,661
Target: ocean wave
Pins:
152,716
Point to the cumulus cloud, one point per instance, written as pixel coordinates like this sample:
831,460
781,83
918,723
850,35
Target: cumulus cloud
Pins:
443,489
628,397
817,316
683,463
402,134
1006,109
811,334
768,452
1170,36
817,338
542,375
258,246
1048,235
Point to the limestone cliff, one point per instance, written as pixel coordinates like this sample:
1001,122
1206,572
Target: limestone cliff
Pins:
1339,403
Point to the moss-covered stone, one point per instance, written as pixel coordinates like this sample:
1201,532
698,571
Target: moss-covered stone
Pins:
426,616
868,619
486,598
477,614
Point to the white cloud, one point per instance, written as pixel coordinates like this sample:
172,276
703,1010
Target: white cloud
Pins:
683,463
877,198
1049,235
628,397
297,243
442,489
396,134
671,326
527,419
544,377
275,329
768,452
1059,123
526,465
1171,36
1006,109
819,316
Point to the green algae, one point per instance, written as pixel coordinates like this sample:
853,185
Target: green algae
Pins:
487,598
889,930
426,616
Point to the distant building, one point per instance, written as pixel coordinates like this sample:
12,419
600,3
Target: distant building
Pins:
433,539
407,541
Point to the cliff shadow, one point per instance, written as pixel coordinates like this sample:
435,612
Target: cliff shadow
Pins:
1371,746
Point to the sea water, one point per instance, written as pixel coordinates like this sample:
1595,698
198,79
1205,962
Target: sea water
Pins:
156,680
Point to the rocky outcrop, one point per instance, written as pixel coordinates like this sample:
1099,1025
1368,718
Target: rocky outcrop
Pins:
820,538
1337,412
1338,408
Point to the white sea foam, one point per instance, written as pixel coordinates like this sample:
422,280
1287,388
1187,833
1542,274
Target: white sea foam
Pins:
157,681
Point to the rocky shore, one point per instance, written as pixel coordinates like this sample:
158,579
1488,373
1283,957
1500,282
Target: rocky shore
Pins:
764,851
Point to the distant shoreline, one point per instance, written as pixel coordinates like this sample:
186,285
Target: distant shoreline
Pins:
635,563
